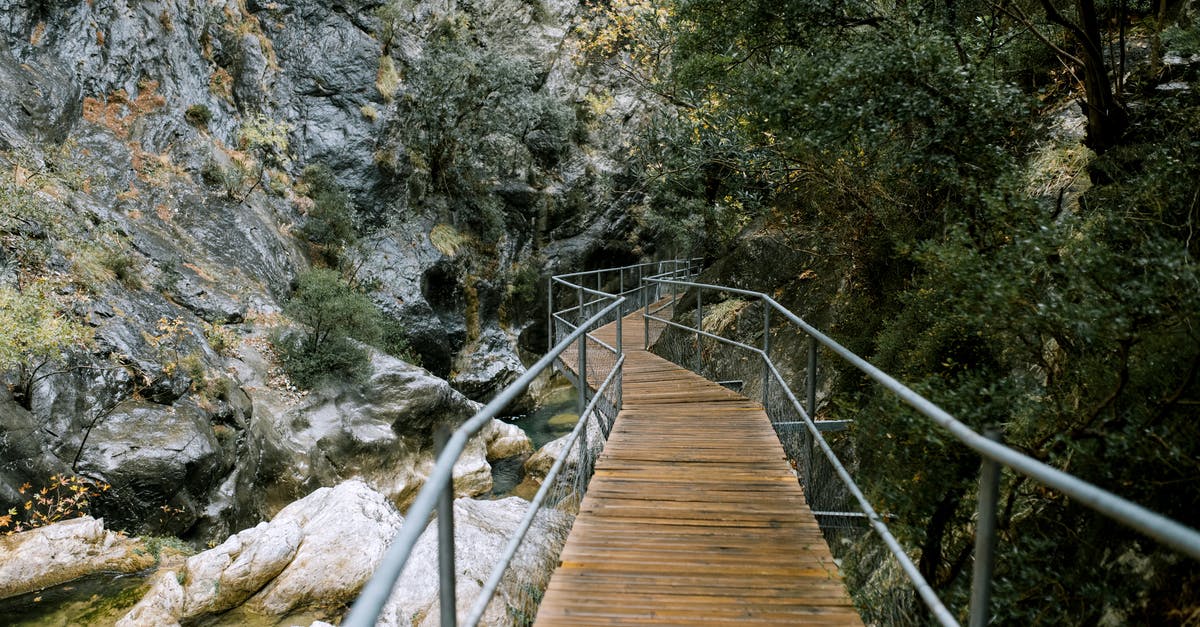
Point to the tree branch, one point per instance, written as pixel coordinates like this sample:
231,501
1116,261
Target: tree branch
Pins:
1020,16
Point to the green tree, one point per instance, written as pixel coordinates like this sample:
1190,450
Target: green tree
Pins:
332,312
467,115
897,136
331,221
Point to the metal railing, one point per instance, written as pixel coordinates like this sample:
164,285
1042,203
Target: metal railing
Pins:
438,491
594,365
828,484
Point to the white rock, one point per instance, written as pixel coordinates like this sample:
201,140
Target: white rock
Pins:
319,550
65,551
481,531
505,440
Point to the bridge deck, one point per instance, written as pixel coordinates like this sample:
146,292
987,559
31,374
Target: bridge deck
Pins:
693,515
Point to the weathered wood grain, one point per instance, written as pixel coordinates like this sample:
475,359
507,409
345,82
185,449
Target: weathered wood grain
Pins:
694,515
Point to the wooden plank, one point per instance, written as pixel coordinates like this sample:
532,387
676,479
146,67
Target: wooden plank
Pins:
694,515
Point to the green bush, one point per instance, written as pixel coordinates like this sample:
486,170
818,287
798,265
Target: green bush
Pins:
330,223
336,359
198,115
333,312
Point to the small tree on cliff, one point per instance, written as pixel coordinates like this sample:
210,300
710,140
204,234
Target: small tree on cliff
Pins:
334,312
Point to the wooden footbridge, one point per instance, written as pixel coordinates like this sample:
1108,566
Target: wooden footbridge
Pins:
693,516
692,513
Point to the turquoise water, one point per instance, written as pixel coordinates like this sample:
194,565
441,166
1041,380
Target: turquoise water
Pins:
554,417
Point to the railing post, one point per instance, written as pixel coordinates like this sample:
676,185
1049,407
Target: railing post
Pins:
582,313
985,537
620,317
641,287
811,378
810,493
766,348
583,403
699,325
621,288
646,325
583,380
445,518
550,314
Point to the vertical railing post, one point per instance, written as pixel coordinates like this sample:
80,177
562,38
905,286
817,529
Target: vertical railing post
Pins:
445,519
810,492
582,313
985,537
620,332
583,379
550,314
641,287
621,288
766,348
584,452
699,325
646,323
811,378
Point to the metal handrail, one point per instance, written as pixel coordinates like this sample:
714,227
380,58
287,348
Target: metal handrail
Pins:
1167,531
637,273
376,592
493,582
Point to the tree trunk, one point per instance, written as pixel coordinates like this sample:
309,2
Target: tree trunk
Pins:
1107,118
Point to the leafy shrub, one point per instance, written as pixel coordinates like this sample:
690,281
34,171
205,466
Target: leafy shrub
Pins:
221,338
198,115
521,299
331,223
336,359
34,325
333,312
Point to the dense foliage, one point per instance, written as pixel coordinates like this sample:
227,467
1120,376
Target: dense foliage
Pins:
1018,276
469,114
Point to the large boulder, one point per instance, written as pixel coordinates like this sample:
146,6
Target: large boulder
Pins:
488,366
65,551
317,552
482,530
154,454
23,455
379,431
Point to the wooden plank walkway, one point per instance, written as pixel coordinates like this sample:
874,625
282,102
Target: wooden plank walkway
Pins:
693,516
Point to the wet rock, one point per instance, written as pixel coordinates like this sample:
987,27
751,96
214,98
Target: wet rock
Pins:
319,550
505,440
482,371
24,457
379,431
481,531
153,454
538,465
65,551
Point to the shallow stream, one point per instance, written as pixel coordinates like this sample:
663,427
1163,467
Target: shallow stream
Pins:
554,417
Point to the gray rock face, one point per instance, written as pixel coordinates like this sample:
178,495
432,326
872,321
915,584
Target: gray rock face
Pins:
44,110
153,454
319,550
65,551
24,457
380,432
487,368
113,80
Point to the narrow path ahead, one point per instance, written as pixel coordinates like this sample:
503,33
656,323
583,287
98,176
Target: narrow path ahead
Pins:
693,515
